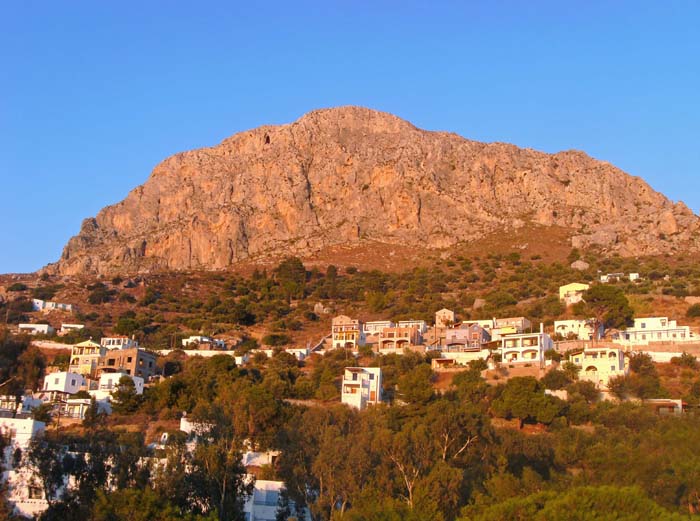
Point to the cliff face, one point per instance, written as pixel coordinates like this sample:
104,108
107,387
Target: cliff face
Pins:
341,176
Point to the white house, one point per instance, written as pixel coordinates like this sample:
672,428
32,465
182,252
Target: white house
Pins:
20,431
36,329
43,305
421,325
633,277
67,328
508,326
487,323
263,504
609,277
300,353
193,427
77,407
600,364
23,492
119,342
361,386
376,326
526,348
196,340
653,329
63,382
109,382
579,329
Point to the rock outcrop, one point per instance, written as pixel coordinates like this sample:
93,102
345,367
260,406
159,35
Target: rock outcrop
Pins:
350,174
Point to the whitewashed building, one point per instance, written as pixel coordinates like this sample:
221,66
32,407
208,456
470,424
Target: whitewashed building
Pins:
43,305
580,329
265,501
196,341
67,328
20,431
421,325
361,386
119,342
63,382
526,348
653,329
376,326
36,329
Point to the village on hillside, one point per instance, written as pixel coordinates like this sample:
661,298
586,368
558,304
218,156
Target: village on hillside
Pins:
108,376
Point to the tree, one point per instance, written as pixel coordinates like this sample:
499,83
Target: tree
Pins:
215,472
139,505
523,398
556,379
124,398
94,418
43,412
416,386
291,276
608,306
571,370
693,311
578,503
455,426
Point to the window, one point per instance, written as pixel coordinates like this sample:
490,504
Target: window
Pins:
612,367
371,376
643,325
150,363
128,360
55,381
72,382
34,492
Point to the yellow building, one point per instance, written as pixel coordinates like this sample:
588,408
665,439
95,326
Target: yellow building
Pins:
599,365
84,357
347,332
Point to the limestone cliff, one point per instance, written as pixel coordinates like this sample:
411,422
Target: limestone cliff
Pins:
345,175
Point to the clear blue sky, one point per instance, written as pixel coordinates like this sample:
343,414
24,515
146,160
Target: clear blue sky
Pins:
94,94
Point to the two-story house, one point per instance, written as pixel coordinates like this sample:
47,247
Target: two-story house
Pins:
470,337
521,348
600,364
361,386
398,338
578,329
653,329
119,342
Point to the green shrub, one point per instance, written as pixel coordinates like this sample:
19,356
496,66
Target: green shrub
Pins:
693,311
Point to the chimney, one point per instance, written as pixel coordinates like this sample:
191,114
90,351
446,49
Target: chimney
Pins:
541,327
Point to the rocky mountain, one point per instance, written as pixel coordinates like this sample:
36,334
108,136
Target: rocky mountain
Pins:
348,175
